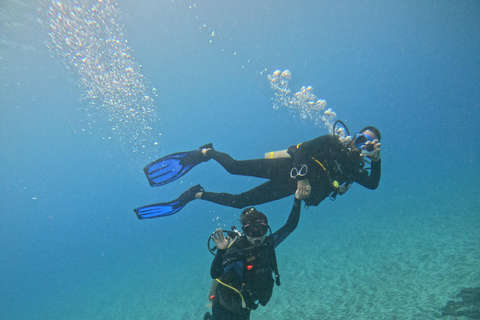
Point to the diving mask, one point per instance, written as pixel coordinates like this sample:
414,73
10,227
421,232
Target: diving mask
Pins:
255,230
360,141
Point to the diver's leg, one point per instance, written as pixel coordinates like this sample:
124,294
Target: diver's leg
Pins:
221,313
269,191
261,168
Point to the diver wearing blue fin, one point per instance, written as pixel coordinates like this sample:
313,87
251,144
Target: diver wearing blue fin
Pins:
174,166
321,168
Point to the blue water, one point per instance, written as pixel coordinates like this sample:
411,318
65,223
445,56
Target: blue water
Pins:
71,245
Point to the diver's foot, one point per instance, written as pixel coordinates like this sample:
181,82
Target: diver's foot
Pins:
207,151
202,154
191,193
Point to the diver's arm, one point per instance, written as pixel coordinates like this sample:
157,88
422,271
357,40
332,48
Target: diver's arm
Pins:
291,224
372,180
216,270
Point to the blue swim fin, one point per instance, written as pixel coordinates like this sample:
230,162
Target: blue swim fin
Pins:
159,209
168,208
174,166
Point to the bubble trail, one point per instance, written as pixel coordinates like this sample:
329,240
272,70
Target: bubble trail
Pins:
304,102
89,39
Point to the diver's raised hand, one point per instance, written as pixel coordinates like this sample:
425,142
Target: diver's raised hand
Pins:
219,238
303,189
375,155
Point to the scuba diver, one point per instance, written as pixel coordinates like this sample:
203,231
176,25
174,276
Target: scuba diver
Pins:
243,265
323,167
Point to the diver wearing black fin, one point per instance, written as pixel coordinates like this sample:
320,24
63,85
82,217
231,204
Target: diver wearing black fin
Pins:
243,266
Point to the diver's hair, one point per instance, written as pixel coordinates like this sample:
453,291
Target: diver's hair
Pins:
250,215
374,130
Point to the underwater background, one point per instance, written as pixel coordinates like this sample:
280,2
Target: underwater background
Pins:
92,91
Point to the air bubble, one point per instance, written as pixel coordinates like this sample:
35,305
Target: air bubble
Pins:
304,103
90,40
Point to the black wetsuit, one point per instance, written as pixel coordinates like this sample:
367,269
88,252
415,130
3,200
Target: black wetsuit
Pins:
329,164
249,270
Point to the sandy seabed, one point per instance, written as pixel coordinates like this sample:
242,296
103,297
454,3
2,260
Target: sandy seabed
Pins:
404,265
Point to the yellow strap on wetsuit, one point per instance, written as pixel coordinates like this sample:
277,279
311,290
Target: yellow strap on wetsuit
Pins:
241,296
335,183
321,165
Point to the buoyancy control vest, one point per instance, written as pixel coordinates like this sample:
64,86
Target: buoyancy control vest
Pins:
248,269
331,165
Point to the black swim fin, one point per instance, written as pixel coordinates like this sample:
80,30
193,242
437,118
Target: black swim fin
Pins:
168,208
174,166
